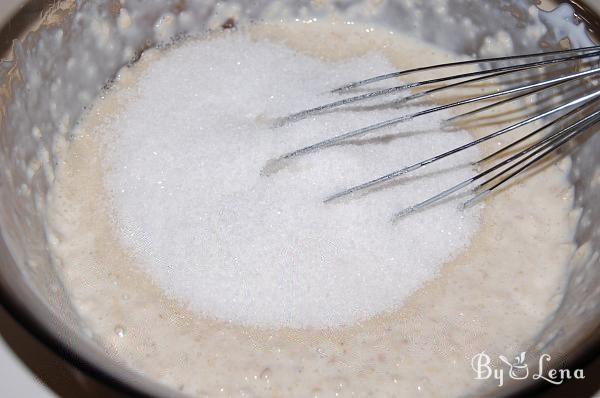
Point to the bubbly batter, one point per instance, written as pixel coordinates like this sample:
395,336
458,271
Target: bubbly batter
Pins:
494,296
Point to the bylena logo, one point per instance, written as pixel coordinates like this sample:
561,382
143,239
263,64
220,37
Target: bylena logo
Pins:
519,370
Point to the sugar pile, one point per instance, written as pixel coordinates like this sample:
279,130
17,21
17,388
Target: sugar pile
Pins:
183,167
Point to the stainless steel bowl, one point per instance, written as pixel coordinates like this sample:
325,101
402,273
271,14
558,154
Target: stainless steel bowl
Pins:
58,70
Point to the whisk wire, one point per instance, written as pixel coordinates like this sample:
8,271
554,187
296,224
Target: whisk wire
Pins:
478,197
470,144
362,131
545,145
571,110
488,74
461,63
535,132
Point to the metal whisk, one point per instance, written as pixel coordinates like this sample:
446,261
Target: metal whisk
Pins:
536,75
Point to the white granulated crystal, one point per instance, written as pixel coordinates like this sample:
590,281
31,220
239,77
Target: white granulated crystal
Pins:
186,173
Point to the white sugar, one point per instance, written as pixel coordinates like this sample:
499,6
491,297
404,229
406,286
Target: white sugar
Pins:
184,170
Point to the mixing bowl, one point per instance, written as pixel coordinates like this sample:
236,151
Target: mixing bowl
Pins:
55,71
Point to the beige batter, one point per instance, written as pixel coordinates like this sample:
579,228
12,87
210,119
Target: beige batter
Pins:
495,297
